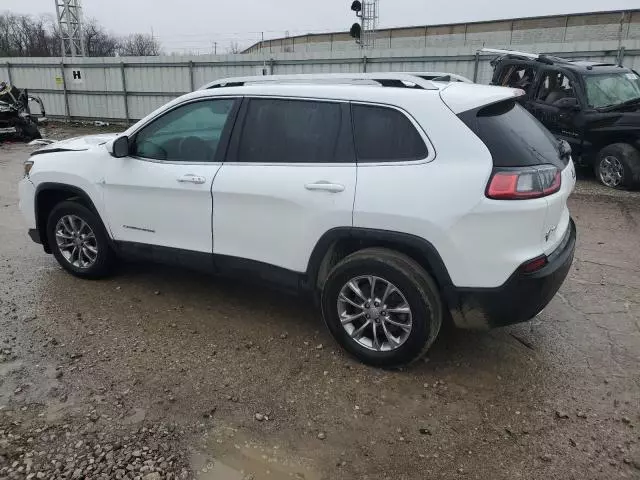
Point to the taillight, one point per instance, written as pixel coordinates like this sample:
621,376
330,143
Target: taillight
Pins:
524,183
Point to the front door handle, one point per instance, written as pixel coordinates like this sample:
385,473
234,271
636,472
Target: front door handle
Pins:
325,187
190,178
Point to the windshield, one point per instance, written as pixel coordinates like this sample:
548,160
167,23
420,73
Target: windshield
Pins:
610,89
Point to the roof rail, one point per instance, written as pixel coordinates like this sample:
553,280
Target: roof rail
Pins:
382,79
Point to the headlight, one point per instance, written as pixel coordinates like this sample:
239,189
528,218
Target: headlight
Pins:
27,167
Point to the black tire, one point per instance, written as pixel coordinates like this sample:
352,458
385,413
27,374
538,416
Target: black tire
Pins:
105,259
29,131
419,290
628,156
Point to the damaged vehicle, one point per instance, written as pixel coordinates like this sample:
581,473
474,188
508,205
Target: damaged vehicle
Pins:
16,120
594,106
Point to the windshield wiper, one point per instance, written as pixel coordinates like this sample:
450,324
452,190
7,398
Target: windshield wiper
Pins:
616,106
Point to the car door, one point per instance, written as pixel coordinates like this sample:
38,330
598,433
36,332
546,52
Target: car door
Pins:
161,193
554,88
289,178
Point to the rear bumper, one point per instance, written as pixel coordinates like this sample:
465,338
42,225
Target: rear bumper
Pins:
520,298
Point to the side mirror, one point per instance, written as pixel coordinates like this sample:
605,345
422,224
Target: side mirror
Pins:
120,147
567,103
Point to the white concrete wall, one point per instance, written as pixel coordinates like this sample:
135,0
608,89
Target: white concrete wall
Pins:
571,28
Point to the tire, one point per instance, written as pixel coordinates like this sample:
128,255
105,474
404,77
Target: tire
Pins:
622,158
104,259
29,131
415,287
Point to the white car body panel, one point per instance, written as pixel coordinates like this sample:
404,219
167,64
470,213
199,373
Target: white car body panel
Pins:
558,216
265,213
82,169
460,97
27,193
155,203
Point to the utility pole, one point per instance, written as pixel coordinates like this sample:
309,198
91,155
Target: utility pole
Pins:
69,13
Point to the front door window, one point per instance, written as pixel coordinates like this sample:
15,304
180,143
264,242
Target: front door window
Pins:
189,133
553,87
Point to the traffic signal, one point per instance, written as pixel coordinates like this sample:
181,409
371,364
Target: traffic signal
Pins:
356,31
356,28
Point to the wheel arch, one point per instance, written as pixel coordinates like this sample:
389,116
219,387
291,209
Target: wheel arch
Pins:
337,243
47,196
603,142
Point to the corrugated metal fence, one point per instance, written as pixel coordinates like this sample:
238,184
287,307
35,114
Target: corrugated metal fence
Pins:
128,88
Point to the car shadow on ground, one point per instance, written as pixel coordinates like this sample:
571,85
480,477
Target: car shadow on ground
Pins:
287,312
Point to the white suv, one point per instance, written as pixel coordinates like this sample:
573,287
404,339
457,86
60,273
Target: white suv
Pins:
399,204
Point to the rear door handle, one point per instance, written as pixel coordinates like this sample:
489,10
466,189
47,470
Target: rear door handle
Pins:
325,187
190,178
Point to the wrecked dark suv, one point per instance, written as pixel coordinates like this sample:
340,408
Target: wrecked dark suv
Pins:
593,106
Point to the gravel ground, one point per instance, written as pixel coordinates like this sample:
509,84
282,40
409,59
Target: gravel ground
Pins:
161,373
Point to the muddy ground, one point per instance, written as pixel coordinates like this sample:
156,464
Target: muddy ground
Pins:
159,373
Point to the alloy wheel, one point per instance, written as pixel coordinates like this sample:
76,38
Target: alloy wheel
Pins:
374,313
76,241
611,171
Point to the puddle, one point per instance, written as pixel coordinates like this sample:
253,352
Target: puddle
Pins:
229,457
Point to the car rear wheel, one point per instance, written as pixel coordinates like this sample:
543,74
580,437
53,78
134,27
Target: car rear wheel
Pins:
382,307
618,166
79,241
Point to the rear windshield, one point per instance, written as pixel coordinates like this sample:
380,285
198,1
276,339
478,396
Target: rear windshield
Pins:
514,137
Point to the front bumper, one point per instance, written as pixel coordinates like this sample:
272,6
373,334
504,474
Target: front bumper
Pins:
520,298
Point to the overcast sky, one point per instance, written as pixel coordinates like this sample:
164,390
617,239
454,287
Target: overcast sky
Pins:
195,24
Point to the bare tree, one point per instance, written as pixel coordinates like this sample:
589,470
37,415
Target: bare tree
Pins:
23,35
234,48
98,42
139,45
27,36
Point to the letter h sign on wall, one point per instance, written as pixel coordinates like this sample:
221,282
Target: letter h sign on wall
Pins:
77,76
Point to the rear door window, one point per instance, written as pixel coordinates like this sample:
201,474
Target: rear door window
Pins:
290,131
385,134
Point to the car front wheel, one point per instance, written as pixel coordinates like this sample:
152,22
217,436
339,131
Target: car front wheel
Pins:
382,307
79,241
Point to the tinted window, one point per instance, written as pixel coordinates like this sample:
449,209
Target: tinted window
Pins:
384,134
290,131
513,136
189,133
